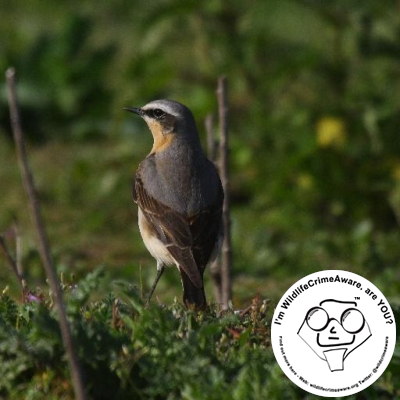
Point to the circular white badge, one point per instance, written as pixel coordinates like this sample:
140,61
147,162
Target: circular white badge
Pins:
333,333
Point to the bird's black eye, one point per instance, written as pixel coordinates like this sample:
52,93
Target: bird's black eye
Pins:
158,114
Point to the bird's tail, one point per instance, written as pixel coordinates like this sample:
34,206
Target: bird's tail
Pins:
193,297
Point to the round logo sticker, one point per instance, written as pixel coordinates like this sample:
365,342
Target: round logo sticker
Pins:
333,333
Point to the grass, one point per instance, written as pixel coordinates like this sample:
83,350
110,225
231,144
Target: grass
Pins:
160,352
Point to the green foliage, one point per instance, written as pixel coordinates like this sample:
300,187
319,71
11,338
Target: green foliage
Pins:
127,350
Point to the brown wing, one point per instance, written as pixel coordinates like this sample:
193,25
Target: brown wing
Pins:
206,227
190,240
172,229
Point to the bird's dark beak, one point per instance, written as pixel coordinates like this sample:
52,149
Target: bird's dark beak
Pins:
135,110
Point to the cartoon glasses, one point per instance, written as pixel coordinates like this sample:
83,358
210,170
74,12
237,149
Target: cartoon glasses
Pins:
351,320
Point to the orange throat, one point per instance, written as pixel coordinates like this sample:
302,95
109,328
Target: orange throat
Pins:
161,140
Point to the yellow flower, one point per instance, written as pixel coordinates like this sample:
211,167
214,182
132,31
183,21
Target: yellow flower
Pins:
331,132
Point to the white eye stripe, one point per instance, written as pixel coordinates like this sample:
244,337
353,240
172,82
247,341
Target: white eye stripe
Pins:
163,105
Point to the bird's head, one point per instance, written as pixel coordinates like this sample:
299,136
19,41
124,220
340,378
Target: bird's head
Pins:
167,120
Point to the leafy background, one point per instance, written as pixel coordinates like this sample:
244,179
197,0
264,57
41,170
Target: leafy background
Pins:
315,151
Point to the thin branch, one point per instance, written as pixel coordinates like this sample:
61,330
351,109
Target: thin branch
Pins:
43,244
212,150
226,261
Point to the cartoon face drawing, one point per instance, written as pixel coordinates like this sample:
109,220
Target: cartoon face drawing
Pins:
333,330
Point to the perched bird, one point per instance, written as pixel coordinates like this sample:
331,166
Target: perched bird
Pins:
180,196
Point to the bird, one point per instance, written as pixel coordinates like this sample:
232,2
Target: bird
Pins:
180,198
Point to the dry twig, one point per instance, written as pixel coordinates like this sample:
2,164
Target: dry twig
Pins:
43,244
212,150
226,255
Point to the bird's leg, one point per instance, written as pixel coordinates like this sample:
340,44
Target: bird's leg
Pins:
160,270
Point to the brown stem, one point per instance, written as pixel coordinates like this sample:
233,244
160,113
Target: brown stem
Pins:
212,150
226,255
43,244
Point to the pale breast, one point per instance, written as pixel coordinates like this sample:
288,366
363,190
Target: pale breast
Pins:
155,247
